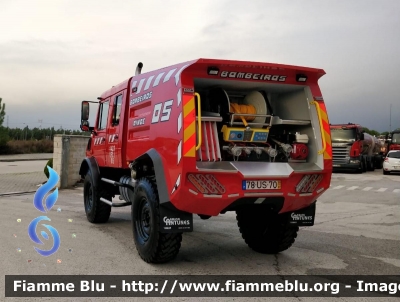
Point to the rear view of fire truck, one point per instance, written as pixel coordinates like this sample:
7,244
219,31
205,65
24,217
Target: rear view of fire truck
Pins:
248,137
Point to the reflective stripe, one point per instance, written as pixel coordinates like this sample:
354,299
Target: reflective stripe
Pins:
189,126
326,131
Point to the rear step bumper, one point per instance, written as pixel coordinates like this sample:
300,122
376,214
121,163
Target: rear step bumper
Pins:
214,187
257,169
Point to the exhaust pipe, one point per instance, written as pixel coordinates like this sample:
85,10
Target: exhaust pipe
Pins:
139,68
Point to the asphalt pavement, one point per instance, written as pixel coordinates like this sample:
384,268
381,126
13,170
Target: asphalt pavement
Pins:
25,157
356,232
21,176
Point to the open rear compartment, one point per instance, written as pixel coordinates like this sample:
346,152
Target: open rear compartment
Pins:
242,121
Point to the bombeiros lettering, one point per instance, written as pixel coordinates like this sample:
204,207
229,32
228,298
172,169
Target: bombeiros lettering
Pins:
253,76
139,99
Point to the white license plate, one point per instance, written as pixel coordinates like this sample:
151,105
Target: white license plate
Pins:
261,184
396,168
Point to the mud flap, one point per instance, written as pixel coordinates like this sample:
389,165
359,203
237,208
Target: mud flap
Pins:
303,217
173,220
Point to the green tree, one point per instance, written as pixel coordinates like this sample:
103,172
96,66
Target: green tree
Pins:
370,131
2,112
3,131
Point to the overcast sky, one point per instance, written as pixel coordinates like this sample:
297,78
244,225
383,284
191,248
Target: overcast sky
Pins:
53,54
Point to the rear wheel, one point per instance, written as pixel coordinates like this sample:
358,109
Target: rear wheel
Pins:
364,164
265,232
152,245
96,210
360,168
370,163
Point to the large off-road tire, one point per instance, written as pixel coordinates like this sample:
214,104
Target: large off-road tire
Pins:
265,232
96,210
152,245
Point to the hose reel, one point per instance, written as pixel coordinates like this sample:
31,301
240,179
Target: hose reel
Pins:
253,103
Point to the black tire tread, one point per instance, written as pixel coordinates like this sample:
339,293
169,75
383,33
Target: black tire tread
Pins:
168,243
102,210
271,236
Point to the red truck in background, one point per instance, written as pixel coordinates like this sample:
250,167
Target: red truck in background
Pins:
206,137
393,141
355,150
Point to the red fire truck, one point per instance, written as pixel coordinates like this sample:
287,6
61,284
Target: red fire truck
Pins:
206,137
355,150
393,140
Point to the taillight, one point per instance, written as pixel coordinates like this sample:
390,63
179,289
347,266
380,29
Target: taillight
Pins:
308,183
206,184
386,159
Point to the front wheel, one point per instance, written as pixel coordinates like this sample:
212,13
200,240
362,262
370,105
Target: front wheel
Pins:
96,210
152,245
265,232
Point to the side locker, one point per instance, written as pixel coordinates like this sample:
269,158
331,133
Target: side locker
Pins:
99,135
113,139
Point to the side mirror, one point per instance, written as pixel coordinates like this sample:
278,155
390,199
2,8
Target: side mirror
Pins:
362,136
85,126
85,111
85,116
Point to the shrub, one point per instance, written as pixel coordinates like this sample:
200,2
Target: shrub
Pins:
28,146
3,139
50,164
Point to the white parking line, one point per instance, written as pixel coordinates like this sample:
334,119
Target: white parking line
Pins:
366,189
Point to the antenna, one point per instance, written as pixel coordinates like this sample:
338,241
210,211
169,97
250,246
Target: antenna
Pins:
390,119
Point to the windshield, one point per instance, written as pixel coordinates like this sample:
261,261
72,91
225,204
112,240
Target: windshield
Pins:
396,138
395,154
343,134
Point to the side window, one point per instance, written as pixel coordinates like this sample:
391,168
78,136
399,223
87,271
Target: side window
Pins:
103,115
117,110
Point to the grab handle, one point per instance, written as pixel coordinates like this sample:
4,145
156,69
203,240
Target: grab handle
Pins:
320,125
199,120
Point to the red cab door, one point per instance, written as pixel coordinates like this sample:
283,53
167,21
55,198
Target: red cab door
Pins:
113,139
99,133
